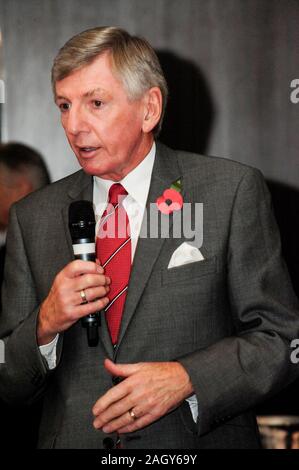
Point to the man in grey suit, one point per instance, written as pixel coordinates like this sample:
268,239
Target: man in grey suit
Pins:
205,330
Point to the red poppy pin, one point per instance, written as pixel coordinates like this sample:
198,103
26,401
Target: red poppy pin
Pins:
171,200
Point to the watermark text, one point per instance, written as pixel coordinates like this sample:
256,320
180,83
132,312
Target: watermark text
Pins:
294,96
2,92
2,352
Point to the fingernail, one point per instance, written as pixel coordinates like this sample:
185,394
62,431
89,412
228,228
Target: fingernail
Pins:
107,288
108,280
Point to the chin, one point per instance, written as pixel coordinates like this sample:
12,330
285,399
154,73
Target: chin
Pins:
95,170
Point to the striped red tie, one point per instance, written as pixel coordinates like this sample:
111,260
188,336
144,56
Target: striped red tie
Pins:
114,253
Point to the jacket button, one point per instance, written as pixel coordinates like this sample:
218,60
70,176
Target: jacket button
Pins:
108,443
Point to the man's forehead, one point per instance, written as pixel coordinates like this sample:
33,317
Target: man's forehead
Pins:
95,77
86,91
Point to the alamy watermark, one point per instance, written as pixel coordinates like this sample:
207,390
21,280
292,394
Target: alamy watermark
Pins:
295,353
294,96
2,352
2,91
187,222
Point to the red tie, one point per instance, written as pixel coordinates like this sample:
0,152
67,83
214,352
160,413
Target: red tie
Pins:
114,254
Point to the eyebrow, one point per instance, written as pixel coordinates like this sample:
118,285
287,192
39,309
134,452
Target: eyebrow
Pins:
93,92
87,94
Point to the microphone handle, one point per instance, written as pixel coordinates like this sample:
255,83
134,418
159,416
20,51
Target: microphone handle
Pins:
92,321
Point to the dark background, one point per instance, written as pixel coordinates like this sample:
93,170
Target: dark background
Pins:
229,65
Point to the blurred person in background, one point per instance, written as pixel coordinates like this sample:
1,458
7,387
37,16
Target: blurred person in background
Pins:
22,171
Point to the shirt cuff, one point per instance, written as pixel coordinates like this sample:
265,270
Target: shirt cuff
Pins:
192,402
49,352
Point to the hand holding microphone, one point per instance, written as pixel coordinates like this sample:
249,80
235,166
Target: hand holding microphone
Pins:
63,306
82,229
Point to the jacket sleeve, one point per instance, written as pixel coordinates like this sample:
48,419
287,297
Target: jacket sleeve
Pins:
237,372
23,375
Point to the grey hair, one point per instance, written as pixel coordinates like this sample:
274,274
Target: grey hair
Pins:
134,61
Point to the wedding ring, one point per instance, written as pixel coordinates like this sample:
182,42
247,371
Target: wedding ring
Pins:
83,297
132,414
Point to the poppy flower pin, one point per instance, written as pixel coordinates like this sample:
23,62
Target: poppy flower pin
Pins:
171,199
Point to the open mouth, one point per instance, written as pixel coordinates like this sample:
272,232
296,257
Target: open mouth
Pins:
87,151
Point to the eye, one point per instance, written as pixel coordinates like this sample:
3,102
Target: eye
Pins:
97,103
64,107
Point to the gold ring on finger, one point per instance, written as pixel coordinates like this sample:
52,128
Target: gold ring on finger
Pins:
83,297
132,414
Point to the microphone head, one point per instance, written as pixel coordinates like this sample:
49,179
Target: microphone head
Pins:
81,220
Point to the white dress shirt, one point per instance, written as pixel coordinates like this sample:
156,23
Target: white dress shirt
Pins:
137,184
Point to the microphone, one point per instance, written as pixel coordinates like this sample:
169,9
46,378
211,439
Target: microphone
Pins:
82,229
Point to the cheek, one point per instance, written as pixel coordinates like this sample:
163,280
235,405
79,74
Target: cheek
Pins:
130,126
63,121
117,129
66,129
111,133
128,118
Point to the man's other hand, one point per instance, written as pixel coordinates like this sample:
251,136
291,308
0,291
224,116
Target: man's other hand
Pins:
148,391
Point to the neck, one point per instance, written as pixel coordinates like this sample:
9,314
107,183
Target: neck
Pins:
140,151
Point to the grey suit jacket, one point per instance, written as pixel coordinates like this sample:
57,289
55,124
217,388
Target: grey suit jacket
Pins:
228,319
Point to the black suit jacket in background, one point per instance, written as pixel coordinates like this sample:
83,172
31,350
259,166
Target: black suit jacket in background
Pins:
19,425
2,255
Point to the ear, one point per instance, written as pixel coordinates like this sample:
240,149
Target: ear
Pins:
152,109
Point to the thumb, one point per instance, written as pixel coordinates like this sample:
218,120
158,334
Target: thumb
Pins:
121,370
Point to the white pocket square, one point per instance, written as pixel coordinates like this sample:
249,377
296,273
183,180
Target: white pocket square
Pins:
184,254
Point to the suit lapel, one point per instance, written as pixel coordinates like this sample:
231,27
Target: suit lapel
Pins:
165,172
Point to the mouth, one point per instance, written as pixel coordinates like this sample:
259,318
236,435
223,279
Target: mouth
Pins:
87,152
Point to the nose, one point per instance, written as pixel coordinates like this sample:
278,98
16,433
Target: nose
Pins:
75,122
